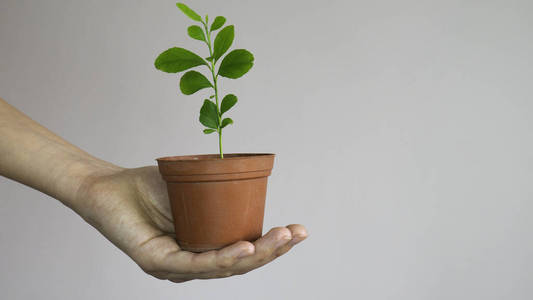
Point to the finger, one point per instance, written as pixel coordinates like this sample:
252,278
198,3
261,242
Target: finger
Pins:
255,255
184,262
272,241
228,256
178,280
215,275
273,244
265,247
158,275
298,232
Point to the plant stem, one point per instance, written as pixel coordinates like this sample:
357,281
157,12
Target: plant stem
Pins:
212,68
220,144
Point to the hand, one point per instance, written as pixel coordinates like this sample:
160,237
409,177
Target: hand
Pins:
130,208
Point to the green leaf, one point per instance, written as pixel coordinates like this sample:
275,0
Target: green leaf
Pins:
209,58
209,114
236,63
193,81
208,131
196,32
177,59
189,12
227,103
217,23
223,41
212,96
226,122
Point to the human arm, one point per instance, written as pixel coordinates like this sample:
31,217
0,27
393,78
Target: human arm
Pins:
128,206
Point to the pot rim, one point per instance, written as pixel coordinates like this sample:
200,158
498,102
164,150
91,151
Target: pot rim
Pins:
210,157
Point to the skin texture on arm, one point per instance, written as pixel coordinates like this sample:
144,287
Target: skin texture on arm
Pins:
129,207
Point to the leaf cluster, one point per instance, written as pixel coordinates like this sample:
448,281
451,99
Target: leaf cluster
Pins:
233,65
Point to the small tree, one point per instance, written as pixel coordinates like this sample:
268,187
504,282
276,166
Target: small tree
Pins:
234,65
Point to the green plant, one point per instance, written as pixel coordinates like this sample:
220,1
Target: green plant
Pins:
234,65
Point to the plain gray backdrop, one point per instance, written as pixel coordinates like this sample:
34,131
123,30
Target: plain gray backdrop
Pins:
403,130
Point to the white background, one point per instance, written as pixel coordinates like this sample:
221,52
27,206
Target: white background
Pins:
403,131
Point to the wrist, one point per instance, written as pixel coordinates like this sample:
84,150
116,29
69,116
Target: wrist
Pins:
78,176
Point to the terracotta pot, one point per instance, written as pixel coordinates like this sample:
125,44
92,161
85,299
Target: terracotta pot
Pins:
216,202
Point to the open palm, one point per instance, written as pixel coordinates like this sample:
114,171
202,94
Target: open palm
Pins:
130,207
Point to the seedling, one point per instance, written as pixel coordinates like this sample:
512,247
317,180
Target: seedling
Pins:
234,65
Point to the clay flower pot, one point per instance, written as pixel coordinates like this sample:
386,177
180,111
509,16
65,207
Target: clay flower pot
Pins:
216,202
